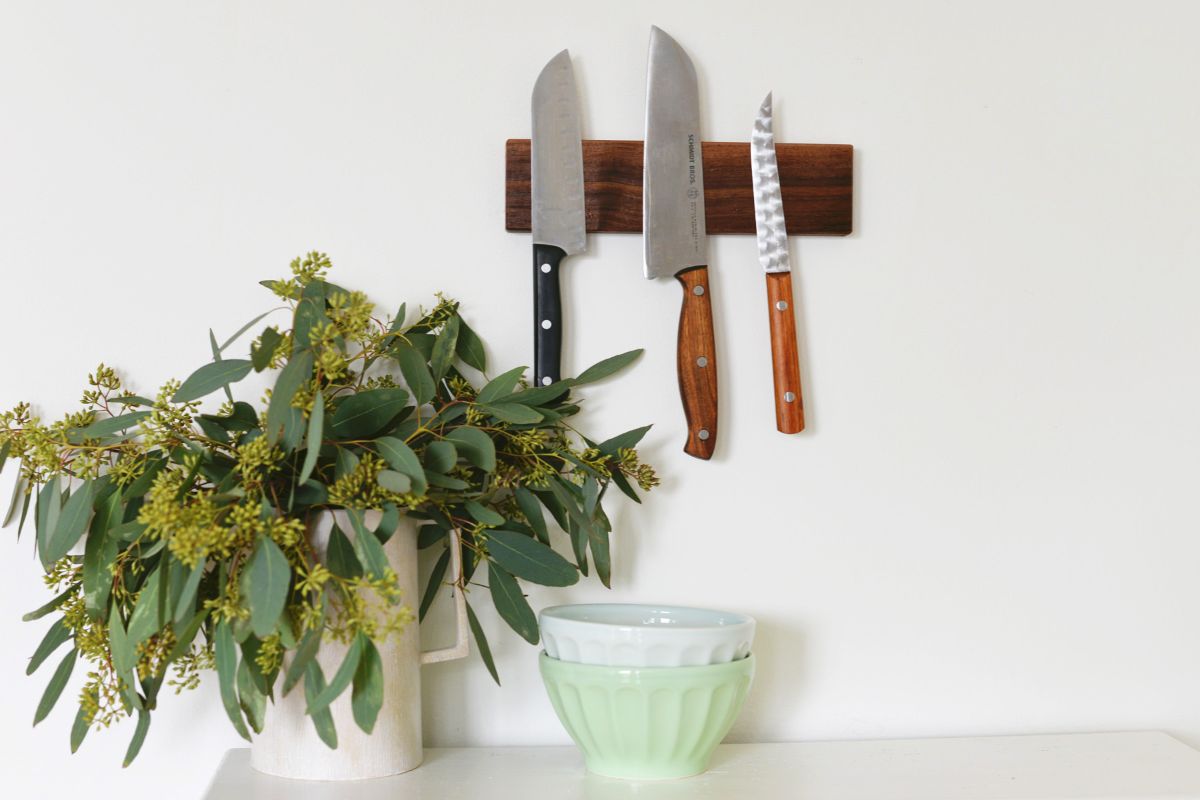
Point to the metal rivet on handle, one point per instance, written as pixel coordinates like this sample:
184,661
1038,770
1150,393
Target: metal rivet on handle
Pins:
703,434
545,267
701,362
699,290
789,396
546,324
546,381
781,305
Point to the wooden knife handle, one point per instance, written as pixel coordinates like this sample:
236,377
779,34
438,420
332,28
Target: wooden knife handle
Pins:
785,361
697,363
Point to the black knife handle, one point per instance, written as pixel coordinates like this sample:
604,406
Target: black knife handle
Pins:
547,313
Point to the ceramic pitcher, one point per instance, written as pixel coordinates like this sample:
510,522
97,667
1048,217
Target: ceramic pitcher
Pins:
289,746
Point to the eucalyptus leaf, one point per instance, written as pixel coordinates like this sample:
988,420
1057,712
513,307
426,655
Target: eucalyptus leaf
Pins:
80,728
394,481
511,604
483,514
314,686
294,374
212,376
366,696
252,701
109,426
475,445
54,688
312,443
443,348
227,664
58,635
416,372
247,327
270,580
99,552
139,736
340,557
500,386
470,347
262,351
366,414
441,456
532,510
59,599
401,458
367,547
624,441
306,651
530,559
435,583
512,412
49,506
341,679
485,652
187,597
70,525
602,369
18,492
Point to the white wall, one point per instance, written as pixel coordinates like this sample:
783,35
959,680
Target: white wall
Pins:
990,525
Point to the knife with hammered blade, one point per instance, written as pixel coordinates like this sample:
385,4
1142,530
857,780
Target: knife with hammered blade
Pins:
673,227
556,188
773,255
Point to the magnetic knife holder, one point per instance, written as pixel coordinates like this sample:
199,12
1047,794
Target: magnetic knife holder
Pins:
817,180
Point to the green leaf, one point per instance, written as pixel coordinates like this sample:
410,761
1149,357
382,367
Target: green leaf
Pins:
71,524
139,736
416,372
54,689
131,400
591,495
294,374
187,598
441,456
344,463
623,441
512,412
262,351
227,662
623,484
142,483
511,604
270,579
252,701
4,450
316,426
309,312
599,542
58,634
19,486
367,695
366,414
79,729
341,679
248,326
530,559
532,510
118,643
314,685
540,395
109,426
99,552
435,583
394,481
42,611
481,642
210,377
306,651
389,521
340,557
475,445
367,547
470,347
481,513
443,348
401,458
446,482
608,366
216,354
501,386
398,320
429,535
49,506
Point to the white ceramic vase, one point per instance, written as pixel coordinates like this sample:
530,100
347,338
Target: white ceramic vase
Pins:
289,746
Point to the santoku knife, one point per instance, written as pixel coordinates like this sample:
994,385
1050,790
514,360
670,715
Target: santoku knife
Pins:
556,186
773,255
673,226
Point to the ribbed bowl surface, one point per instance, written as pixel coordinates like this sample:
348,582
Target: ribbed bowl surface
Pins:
647,723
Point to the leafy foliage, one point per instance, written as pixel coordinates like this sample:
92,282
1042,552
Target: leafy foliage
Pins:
195,554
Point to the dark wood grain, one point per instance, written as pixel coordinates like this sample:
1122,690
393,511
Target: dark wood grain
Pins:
817,181
697,363
785,359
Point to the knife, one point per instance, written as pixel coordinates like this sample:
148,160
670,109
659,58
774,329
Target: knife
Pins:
673,226
556,187
773,255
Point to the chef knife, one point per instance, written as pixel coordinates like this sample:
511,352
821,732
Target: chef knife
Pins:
673,227
773,255
556,186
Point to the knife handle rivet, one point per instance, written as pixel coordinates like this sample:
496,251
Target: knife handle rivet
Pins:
546,324
701,362
545,267
699,290
781,305
789,396
703,434
546,381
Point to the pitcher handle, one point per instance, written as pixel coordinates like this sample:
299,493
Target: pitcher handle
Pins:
461,648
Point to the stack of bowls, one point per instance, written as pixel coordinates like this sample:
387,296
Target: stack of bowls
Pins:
647,692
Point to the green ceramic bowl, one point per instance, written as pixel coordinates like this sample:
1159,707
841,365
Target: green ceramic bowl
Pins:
647,723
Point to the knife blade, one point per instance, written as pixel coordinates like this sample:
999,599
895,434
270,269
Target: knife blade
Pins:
673,225
773,255
556,187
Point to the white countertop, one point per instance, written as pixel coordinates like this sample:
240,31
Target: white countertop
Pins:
1096,766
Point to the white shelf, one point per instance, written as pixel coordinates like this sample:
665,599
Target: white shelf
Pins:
1097,766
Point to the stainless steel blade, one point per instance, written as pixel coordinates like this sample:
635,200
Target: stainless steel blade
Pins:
673,177
556,159
768,195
